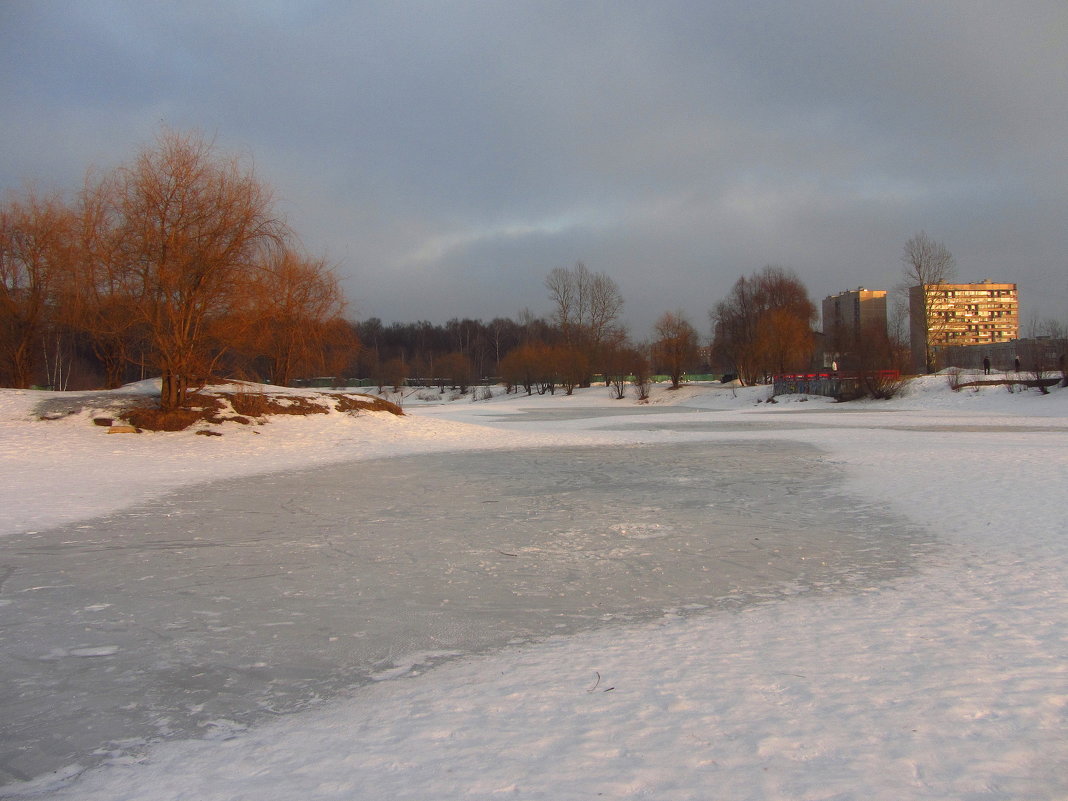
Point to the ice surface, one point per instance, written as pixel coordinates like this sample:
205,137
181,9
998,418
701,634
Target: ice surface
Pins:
209,610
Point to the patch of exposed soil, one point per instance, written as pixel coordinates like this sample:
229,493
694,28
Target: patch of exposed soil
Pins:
208,406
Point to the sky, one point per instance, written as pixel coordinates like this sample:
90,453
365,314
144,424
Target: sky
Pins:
446,156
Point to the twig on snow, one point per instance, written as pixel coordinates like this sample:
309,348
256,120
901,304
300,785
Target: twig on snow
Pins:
597,683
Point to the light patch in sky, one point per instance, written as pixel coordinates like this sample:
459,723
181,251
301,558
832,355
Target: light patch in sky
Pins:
437,247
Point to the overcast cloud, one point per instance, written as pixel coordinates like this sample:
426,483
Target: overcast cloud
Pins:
447,155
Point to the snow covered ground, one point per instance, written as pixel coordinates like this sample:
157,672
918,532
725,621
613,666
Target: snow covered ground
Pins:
946,678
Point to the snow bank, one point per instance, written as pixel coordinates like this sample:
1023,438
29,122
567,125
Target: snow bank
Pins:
948,684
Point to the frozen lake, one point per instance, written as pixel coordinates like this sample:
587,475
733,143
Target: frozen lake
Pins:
212,609
702,421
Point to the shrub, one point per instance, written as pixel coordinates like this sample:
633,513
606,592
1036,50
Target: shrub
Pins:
881,386
355,403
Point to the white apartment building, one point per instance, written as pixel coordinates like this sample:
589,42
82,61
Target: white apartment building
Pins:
948,315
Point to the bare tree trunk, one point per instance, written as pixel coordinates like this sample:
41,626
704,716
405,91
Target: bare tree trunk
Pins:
927,264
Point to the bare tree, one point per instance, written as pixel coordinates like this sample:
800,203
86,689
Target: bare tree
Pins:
390,373
532,328
547,368
641,375
587,308
604,305
734,330
294,302
927,264
520,366
1058,333
621,360
35,235
570,366
503,335
1043,351
171,261
456,369
873,358
96,297
784,341
676,348
897,331
764,325
563,292
195,227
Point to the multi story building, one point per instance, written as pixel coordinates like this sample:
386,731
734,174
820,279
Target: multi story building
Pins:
948,315
848,313
849,318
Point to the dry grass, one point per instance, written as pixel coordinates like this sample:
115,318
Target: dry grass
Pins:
354,403
148,418
262,404
251,407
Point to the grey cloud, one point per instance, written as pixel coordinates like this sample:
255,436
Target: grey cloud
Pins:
447,156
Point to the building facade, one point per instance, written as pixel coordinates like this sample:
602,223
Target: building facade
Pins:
952,315
849,313
848,319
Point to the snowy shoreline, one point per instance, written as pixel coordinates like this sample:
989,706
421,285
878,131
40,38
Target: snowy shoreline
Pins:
948,684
